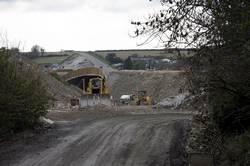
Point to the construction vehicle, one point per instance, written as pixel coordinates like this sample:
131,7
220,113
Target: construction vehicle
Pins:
91,80
141,98
126,99
96,85
93,83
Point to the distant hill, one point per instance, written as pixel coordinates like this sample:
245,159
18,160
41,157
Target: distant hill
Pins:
123,54
59,57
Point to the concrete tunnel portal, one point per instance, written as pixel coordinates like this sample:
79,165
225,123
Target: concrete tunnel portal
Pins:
89,80
83,82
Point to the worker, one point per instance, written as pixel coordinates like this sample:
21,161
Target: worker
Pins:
111,99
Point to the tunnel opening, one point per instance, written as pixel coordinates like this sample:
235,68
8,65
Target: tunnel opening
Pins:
96,91
89,84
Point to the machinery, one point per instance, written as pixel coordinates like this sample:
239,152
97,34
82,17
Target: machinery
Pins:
126,99
141,98
91,80
93,83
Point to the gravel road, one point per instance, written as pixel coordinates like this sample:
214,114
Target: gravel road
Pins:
83,60
124,140
96,62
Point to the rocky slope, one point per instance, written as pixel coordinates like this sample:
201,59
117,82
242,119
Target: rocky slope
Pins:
158,84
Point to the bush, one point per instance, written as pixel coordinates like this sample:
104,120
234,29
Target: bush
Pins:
128,64
237,150
23,99
113,59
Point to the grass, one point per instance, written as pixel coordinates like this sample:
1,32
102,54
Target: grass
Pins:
101,58
123,54
59,78
50,60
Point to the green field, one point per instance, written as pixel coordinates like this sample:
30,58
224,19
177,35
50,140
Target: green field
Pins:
123,54
50,60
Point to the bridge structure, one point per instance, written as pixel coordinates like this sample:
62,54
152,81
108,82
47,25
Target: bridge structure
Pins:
93,83
91,80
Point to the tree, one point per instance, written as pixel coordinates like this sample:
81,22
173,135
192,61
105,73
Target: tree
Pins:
23,98
128,64
113,59
194,23
36,50
219,31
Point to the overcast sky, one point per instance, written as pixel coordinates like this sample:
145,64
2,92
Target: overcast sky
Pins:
73,24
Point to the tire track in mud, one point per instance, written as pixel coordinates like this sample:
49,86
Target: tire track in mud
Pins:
142,140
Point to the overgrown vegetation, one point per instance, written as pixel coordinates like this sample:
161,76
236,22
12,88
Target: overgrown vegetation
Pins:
101,58
23,99
219,72
113,59
56,76
128,64
59,78
50,59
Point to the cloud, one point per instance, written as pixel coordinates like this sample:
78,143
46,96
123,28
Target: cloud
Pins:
73,24
55,5
7,0
120,5
40,5
7,4
71,5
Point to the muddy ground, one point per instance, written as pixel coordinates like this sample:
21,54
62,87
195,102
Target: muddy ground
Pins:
102,137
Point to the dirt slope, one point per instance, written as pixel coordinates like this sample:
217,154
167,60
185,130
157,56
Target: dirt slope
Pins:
57,89
158,84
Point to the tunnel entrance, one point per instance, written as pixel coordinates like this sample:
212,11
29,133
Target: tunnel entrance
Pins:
96,91
90,84
91,80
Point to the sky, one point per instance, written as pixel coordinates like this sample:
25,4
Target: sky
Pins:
73,24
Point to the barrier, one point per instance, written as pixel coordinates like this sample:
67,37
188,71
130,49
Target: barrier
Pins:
92,100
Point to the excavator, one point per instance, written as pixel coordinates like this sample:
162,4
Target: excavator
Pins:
96,86
141,98
138,98
93,83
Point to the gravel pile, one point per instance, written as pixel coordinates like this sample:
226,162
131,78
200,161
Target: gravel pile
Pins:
60,91
173,102
158,84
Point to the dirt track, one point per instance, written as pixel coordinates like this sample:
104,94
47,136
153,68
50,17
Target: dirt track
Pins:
118,140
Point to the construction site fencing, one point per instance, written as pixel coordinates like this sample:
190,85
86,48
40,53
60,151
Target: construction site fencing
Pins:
92,100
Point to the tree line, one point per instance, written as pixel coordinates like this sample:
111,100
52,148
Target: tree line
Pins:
219,31
23,98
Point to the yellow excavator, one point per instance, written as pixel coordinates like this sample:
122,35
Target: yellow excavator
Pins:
141,98
93,83
97,86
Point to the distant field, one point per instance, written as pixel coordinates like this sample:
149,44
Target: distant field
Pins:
50,60
123,54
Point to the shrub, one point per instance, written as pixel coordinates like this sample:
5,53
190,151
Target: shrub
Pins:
237,150
23,99
113,59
